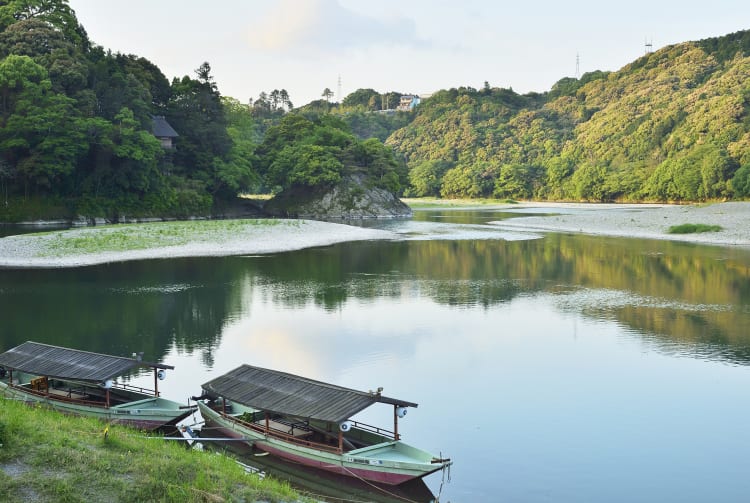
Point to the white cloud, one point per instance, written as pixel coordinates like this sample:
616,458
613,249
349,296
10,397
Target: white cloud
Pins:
324,25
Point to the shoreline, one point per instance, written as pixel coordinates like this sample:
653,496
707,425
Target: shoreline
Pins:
226,238
251,237
646,221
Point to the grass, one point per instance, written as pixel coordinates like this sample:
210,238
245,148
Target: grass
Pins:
46,456
693,228
128,237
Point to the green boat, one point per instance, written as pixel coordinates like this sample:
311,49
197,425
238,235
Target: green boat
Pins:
307,422
84,383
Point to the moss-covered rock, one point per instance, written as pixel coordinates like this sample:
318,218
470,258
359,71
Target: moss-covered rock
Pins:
352,198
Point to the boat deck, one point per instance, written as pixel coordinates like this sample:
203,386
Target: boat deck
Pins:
390,454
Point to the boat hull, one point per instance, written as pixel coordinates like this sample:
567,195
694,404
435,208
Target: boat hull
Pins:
148,413
366,464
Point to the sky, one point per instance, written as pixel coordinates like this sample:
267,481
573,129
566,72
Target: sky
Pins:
407,46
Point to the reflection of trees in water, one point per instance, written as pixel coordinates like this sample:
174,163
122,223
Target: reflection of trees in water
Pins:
120,308
150,306
683,278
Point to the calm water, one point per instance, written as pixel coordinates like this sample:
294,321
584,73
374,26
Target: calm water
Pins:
549,368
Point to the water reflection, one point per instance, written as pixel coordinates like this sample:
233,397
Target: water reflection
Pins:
678,292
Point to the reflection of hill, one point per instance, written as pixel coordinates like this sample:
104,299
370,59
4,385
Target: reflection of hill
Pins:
702,293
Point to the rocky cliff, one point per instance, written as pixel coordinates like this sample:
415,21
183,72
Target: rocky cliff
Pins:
353,198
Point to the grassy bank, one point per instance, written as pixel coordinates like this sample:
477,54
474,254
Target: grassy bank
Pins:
125,237
49,457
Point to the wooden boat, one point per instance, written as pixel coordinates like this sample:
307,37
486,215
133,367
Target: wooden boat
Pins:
83,383
307,422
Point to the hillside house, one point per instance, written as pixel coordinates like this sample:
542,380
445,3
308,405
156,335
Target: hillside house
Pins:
408,102
163,131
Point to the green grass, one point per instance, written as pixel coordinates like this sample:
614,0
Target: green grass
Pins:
693,228
128,237
49,457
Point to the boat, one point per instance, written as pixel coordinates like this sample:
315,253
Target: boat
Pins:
84,383
309,422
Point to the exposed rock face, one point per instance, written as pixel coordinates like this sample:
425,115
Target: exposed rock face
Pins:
351,199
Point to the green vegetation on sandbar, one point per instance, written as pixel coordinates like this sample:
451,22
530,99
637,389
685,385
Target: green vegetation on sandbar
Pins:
127,237
693,228
48,456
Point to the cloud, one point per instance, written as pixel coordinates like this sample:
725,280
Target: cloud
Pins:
325,25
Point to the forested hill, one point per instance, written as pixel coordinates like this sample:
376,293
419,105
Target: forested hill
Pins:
674,125
79,134
85,132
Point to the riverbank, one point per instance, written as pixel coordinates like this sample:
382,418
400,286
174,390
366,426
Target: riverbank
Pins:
103,244
202,238
648,221
46,456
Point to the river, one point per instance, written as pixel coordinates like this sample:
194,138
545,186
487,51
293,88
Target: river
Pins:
549,367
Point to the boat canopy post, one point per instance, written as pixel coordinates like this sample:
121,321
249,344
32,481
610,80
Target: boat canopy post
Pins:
156,382
341,440
395,422
107,398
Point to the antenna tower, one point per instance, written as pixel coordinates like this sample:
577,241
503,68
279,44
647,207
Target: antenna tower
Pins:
578,66
649,46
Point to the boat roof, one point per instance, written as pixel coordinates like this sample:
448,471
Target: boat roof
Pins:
292,395
64,363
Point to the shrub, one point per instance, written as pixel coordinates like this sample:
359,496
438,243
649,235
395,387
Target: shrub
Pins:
693,228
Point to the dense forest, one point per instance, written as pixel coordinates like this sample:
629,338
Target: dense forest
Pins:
673,125
77,132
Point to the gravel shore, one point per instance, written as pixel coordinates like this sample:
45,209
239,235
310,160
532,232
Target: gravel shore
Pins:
650,221
52,249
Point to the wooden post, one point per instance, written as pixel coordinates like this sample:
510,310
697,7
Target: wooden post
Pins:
156,382
107,398
395,422
268,421
341,440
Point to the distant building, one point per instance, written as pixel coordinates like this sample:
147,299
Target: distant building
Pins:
163,131
408,102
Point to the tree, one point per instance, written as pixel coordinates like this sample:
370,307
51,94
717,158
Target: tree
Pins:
426,177
195,110
284,97
41,136
304,165
327,94
364,99
275,99
50,48
55,13
120,81
741,182
237,173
